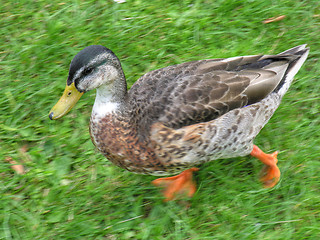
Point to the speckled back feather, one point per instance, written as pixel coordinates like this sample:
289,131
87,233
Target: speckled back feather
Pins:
200,91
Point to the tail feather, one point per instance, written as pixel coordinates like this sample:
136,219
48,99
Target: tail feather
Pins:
301,52
294,50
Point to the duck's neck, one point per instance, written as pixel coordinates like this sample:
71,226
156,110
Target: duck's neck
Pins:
110,97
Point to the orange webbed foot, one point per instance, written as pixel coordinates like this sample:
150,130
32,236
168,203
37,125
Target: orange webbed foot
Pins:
270,172
176,185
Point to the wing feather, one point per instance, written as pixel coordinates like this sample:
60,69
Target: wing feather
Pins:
200,91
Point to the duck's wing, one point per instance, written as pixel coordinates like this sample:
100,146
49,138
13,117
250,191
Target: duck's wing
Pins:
201,91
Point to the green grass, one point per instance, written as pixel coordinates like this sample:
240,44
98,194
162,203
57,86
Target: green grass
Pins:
70,191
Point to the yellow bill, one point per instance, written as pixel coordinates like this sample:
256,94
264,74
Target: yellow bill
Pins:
69,98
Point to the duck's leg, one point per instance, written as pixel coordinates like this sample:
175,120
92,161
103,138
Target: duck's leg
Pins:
180,184
270,172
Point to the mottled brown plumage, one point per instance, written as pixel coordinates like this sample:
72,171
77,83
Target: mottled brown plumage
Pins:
183,115
180,116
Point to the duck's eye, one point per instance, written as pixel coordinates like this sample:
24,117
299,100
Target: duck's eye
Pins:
87,71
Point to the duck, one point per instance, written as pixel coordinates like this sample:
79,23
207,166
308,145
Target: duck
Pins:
176,118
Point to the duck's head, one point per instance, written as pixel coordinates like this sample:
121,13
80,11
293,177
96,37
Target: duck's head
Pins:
91,68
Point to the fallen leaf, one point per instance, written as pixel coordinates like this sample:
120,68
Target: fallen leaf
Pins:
18,168
274,19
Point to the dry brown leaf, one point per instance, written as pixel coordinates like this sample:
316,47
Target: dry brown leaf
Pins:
8,159
18,168
274,19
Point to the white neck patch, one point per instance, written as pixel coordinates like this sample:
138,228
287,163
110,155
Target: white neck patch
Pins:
103,104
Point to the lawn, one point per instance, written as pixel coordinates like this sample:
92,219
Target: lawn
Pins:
70,191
